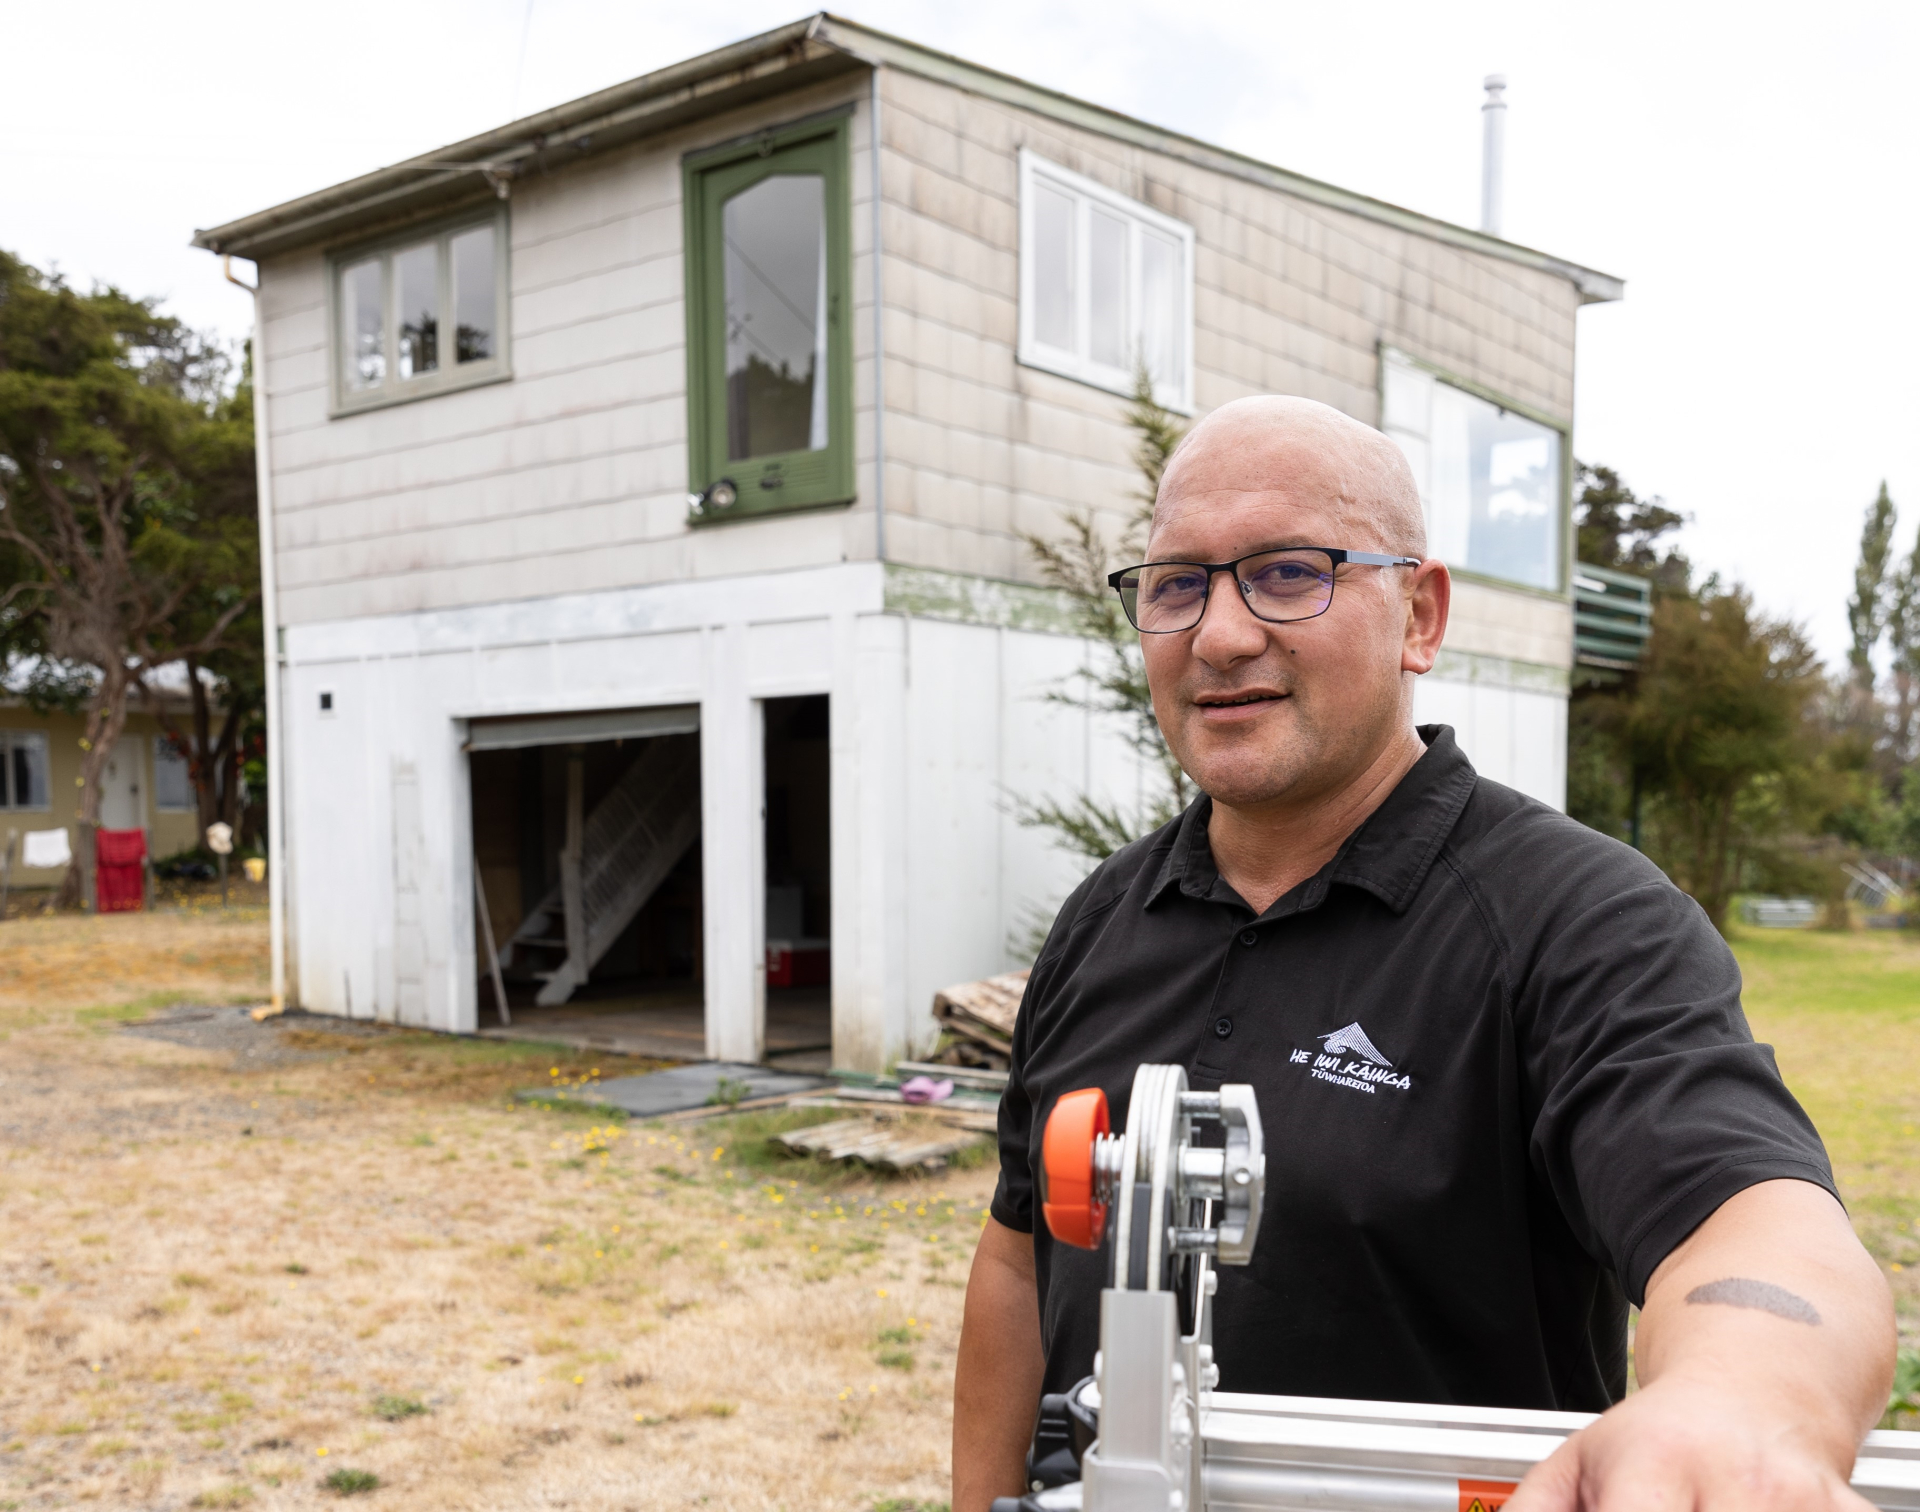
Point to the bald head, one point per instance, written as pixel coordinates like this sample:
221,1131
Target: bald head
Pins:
1300,449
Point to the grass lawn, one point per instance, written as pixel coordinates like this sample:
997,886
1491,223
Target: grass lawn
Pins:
360,1268
1842,1011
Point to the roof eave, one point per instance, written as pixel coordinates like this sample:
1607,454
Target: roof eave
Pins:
787,57
773,62
883,49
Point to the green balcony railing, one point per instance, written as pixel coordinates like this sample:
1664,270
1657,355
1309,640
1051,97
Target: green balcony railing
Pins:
1612,618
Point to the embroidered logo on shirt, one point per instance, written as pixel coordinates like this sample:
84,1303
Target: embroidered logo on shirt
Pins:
1353,1040
1350,1059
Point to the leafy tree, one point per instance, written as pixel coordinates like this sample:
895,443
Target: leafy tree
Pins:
1868,608
126,505
1720,729
1614,527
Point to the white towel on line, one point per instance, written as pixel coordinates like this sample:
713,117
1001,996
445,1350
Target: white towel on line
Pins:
47,848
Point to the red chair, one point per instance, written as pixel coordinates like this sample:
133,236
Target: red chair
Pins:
119,864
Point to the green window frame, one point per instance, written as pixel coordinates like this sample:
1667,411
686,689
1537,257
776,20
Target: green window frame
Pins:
771,482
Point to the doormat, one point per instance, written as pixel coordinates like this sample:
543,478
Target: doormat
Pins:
682,1089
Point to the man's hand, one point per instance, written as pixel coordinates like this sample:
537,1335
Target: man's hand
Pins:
1764,1352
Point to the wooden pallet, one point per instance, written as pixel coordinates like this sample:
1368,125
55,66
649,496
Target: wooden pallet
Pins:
890,1141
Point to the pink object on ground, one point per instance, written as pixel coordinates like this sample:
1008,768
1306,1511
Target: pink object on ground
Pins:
924,1089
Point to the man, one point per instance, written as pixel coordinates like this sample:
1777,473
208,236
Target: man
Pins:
1505,1079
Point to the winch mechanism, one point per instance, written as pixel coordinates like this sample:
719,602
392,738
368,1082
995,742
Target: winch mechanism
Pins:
1149,1431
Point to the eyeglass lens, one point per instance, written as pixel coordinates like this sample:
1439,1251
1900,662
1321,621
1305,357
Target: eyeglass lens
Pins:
1163,597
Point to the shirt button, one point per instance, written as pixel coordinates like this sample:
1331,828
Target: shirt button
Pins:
1222,1027
1248,937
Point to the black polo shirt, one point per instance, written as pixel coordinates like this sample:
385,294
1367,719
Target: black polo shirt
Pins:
1502,1069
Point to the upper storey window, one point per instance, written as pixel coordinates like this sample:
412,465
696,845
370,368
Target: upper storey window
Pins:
1492,479
1106,285
421,314
769,381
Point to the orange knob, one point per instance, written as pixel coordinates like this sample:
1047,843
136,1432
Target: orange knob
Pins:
1074,1214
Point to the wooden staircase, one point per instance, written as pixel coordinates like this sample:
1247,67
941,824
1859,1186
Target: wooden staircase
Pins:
614,860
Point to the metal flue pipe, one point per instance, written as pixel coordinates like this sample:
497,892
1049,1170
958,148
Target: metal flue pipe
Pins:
1493,153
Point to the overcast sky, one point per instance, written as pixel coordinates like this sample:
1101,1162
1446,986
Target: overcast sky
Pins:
1749,170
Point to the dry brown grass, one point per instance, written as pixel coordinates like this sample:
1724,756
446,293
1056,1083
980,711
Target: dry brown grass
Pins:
216,1287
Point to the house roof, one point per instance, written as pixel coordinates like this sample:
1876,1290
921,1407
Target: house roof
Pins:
788,57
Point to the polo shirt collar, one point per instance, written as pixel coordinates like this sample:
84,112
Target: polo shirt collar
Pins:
1389,855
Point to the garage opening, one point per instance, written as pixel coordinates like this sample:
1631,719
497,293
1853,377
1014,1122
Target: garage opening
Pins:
587,858
799,872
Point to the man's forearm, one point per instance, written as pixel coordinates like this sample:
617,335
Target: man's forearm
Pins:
1764,1354
1774,1293
996,1385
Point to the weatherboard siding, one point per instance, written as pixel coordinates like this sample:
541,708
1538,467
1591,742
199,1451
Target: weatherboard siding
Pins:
1290,297
572,475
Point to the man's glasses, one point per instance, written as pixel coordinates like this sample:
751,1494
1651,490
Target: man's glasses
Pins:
1296,583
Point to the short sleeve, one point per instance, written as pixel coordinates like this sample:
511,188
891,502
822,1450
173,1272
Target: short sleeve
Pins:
1651,1102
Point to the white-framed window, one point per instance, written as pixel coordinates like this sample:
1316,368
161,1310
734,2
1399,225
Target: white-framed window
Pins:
1492,479
1106,285
420,314
23,770
172,785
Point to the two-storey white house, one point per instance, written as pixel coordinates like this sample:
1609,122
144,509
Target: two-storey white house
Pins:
647,481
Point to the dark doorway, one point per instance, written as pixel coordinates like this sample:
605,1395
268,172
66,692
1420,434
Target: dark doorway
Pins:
603,949
799,869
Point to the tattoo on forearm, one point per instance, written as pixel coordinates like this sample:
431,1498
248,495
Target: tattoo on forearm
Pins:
1763,1296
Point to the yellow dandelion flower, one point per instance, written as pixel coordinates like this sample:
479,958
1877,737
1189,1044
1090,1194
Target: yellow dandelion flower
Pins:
579,1380
723,1244
320,1451
553,1071
881,1292
814,1247
599,1254
913,1322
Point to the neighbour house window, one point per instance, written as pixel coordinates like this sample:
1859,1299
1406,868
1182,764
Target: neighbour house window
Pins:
1106,285
172,788
769,354
421,315
23,770
1491,478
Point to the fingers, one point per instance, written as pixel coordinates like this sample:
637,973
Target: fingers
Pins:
1553,1485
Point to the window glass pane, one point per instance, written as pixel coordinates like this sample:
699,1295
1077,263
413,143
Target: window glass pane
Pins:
1450,476
1408,398
1161,329
1107,340
1490,480
416,276
1516,520
171,787
776,297
6,764
1052,266
363,335
27,760
473,287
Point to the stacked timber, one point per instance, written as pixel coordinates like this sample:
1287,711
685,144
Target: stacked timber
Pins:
976,1020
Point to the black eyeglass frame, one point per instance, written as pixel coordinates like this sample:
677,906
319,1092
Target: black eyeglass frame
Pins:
1336,554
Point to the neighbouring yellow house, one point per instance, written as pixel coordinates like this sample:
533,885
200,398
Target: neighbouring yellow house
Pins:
145,785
